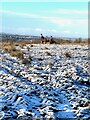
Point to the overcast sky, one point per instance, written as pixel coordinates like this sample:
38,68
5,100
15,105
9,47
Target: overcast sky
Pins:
66,19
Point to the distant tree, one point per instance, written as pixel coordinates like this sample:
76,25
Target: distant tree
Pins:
79,39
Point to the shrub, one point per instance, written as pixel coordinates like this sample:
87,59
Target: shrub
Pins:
20,55
14,49
46,48
29,57
21,44
10,48
31,45
49,54
17,53
68,55
26,61
50,64
28,48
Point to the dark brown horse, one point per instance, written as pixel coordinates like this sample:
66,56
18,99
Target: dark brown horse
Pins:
46,40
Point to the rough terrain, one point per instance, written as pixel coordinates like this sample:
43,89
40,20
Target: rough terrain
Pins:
55,84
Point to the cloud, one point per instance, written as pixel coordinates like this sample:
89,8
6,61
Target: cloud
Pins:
67,31
61,21
68,11
57,20
29,15
70,22
27,30
44,1
38,29
23,30
53,30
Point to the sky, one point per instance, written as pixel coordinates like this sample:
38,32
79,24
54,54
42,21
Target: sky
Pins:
59,19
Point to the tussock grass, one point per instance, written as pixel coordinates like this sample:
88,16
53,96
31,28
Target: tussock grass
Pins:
10,47
29,57
57,41
26,61
31,46
46,48
21,44
50,64
28,48
67,54
48,53
18,54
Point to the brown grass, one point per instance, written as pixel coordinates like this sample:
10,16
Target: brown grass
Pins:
17,53
46,48
26,61
48,54
67,55
10,48
23,43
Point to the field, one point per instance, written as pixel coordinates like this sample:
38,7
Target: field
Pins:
48,81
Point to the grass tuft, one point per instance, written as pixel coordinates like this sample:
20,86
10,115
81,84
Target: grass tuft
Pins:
67,55
48,54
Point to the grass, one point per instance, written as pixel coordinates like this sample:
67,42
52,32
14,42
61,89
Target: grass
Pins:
10,47
46,48
57,41
48,53
31,45
26,61
67,55
18,54
50,64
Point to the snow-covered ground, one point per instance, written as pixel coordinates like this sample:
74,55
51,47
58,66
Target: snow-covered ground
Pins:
51,86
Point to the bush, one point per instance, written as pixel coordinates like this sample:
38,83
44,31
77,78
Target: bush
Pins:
29,57
68,55
46,48
20,55
21,44
17,53
28,48
26,61
31,45
49,54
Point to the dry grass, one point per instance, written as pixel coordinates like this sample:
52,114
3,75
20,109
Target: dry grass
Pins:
75,42
48,53
46,48
17,53
67,55
50,64
26,61
29,57
31,45
23,43
10,48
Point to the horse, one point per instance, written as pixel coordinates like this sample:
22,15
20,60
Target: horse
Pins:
46,39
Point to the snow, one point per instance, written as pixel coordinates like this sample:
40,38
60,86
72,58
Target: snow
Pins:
52,86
